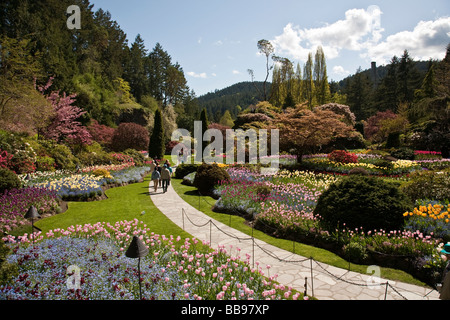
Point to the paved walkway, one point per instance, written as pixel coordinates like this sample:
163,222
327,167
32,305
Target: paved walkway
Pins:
323,281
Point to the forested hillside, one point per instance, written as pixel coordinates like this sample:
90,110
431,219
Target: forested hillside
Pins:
234,98
114,81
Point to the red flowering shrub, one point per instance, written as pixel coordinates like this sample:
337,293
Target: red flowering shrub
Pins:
101,133
130,136
121,158
170,145
342,156
5,159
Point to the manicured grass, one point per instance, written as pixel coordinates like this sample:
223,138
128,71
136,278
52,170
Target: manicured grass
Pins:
123,203
204,204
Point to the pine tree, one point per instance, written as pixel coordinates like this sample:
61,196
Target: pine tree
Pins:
135,71
157,147
358,95
204,120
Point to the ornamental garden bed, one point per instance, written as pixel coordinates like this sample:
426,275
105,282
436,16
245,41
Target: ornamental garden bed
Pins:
283,205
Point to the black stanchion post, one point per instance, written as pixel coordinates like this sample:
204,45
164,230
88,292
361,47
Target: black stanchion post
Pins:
306,286
312,278
385,293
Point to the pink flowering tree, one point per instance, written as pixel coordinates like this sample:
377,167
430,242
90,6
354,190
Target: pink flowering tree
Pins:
64,125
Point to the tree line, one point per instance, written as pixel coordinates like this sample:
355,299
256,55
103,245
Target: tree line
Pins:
114,81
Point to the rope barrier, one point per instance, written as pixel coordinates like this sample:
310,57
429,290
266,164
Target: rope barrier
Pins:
320,270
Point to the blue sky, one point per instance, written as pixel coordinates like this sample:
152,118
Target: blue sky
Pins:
214,41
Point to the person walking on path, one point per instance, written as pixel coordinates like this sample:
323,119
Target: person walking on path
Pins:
158,167
155,177
445,290
165,177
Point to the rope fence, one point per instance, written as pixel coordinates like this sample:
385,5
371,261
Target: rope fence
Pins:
312,270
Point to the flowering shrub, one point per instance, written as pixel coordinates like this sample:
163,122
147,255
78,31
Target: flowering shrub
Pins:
123,158
5,159
173,268
342,156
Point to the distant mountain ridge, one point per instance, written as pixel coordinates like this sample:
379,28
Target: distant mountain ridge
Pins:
234,98
244,94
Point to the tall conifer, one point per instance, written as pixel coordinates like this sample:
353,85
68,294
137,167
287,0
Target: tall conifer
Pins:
157,147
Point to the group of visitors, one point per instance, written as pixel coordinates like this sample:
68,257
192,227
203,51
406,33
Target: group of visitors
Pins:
161,175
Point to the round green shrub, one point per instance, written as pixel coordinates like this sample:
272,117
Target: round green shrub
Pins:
209,175
8,180
366,202
355,252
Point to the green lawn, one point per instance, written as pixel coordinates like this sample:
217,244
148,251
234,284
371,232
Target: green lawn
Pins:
204,204
123,203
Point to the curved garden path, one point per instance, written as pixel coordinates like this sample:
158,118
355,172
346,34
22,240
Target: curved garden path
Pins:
324,282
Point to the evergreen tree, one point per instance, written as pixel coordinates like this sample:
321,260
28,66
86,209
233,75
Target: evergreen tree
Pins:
226,119
359,95
309,82
387,93
408,78
157,144
204,120
322,88
135,71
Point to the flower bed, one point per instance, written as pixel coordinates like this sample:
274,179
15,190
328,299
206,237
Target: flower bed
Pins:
173,268
283,205
370,164
15,203
83,186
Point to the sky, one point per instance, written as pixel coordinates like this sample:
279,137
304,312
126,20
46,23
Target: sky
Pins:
215,41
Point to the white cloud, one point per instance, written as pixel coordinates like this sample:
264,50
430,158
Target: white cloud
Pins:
340,71
428,40
197,75
361,31
236,72
357,31
218,43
